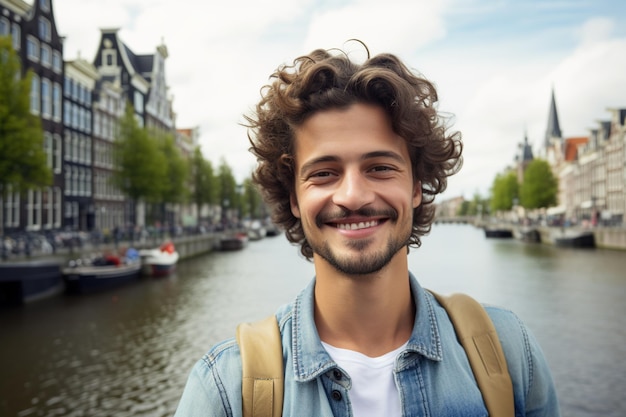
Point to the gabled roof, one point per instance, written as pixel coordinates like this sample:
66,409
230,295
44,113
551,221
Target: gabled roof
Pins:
571,147
142,64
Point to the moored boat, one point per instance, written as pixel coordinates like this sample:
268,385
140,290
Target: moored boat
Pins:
159,261
102,273
498,233
576,240
236,241
25,281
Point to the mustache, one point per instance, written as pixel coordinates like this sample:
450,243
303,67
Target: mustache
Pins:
341,213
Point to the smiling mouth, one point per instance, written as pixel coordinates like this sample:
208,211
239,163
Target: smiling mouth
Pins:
357,226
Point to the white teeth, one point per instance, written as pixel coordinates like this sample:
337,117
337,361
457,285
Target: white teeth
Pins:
356,226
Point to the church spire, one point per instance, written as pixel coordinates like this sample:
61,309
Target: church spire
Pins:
554,128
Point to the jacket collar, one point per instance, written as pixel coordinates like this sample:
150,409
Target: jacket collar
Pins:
310,359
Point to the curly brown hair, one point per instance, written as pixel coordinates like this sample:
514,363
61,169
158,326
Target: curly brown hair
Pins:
329,79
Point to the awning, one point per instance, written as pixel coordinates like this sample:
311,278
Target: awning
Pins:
553,211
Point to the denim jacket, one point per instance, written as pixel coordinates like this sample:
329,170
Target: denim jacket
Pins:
432,373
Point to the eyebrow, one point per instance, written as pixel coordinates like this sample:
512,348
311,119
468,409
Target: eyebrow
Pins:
332,158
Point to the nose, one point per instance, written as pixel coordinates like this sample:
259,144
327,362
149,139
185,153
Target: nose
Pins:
354,191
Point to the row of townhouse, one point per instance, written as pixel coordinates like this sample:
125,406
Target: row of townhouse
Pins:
80,103
591,169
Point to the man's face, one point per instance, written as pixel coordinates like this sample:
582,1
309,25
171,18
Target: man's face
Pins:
354,191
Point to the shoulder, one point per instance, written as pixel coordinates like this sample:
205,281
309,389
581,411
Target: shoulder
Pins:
514,337
214,383
527,365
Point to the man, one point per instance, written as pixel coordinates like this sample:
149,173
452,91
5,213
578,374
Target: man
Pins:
350,159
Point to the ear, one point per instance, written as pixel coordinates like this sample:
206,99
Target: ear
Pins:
417,194
293,201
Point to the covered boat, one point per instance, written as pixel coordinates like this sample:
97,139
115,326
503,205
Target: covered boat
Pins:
103,272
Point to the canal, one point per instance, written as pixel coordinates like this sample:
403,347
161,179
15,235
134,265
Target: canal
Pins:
127,352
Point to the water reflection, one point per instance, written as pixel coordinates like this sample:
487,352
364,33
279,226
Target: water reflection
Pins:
128,352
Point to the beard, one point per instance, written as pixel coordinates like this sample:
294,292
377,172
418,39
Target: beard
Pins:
364,263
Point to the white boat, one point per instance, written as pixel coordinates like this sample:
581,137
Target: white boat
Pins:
159,261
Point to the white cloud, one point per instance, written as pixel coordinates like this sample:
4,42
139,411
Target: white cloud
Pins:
400,26
515,99
498,88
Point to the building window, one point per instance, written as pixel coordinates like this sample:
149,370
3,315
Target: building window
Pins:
57,62
48,206
74,156
88,121
57,207
46,56
74,181
4,26
74,116
67,88
16,34
12,208
108,58
138,102
35,101
32,49
45,29
44,5
68,180
79,93
68,146
88,145
46,99
88,182
96,123
33,210
47,147
56,102
67,113
57,145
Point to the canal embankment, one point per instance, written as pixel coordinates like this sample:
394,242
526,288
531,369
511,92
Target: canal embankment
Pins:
605,237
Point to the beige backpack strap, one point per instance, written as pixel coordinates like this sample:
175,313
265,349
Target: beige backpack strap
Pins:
262,364
479,338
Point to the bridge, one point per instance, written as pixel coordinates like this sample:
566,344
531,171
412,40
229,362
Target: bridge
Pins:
457,220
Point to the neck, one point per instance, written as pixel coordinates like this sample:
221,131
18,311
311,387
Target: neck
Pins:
371,314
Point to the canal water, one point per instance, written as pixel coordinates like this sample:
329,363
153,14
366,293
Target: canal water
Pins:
127,352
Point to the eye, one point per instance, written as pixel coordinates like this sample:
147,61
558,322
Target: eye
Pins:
320,174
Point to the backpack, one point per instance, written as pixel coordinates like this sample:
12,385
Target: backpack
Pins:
262,359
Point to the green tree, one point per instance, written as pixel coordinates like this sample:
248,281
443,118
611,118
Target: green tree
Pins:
22,157
505,189
252,200
227,186
476,206
140,174
177,172
204,184
540,186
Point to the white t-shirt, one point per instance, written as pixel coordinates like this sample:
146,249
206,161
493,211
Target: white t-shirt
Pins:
374,392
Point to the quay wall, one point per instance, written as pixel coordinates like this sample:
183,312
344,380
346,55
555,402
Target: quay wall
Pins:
190,246
187,247
605,237
610,238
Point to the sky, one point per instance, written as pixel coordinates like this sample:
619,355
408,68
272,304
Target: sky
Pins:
494,62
